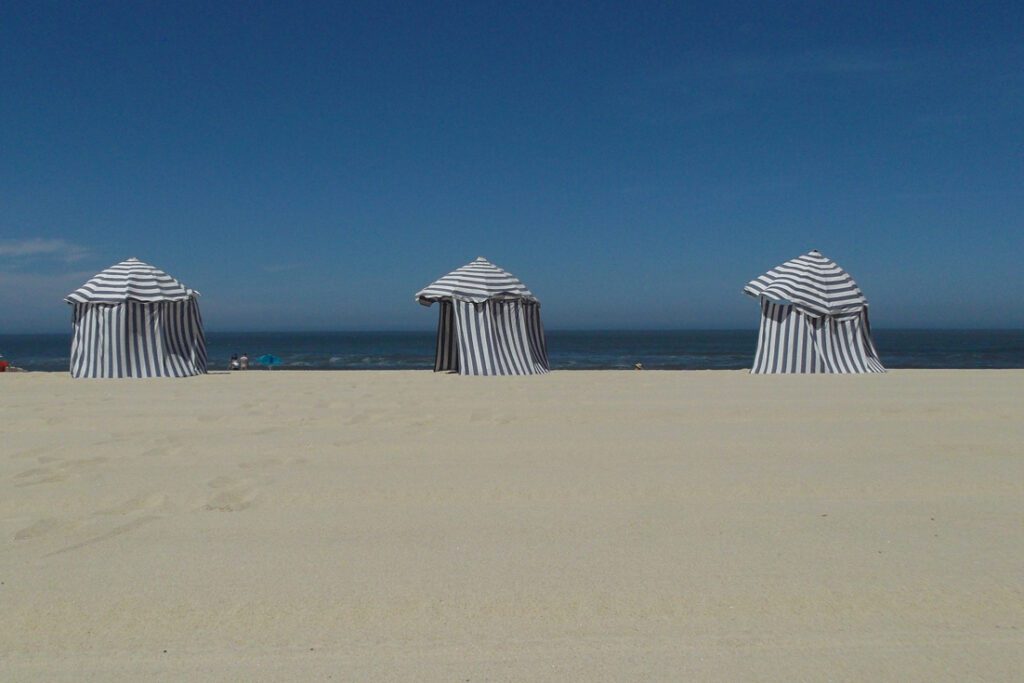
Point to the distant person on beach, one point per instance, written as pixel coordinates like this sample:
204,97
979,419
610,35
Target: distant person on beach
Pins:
244,361
234,364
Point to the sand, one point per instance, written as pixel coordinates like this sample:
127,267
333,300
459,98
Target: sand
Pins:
273,526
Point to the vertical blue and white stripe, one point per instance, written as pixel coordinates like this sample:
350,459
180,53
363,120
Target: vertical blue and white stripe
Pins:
134,320
488,324
814,319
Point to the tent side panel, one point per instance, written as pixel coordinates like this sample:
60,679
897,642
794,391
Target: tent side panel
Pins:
791,342
95,348
869,350
498,337
505,316
195,329
512,338
183,341
467,336
136,339
538,343
446,354
79,341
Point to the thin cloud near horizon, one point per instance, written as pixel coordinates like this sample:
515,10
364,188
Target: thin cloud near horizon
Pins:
43,247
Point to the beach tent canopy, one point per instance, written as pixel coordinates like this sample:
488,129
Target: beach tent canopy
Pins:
476,282
130,280
134,320
814,318
813,284
488,324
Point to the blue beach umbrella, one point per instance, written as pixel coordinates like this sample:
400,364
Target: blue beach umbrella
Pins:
269,359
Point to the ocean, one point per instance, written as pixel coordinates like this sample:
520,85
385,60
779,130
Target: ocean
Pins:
568,350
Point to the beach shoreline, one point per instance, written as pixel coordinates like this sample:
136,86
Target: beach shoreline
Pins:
567,349
598,525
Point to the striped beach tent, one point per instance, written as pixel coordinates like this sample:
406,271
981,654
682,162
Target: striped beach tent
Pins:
134,320
488,323
814,319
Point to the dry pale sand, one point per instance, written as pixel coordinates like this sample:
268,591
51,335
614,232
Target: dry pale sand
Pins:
580,526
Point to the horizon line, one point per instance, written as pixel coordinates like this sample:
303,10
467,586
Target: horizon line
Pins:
547,331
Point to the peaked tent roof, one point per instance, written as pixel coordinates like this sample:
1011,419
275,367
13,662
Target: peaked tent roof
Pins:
477,282
813,283
131,279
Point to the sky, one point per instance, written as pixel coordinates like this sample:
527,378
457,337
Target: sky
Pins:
310,166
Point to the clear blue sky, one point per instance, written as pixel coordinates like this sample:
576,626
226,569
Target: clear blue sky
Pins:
310,166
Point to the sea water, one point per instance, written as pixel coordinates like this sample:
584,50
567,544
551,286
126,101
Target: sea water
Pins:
568,350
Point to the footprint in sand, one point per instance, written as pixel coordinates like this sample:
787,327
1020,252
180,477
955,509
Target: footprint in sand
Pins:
83,463
156,501
57,471
231,501
43,475
32,472
116,531
357,418
422,423
237,494
40,527
255,464
30,452
171,441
